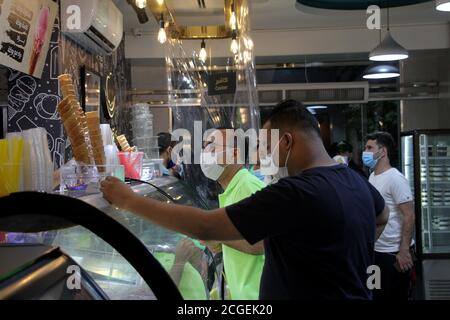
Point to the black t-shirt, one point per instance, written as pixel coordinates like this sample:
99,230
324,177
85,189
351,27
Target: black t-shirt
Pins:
319,233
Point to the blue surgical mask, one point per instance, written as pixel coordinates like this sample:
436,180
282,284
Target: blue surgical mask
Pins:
368,158
259,175
165,171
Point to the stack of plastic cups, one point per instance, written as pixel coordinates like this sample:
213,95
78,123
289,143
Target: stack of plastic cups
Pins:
37,162
142,126
11,169
110,147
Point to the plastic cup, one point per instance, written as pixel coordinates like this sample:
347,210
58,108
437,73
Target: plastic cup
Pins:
132,161
77,181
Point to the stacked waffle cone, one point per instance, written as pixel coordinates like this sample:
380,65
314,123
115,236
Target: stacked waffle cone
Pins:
74,120
124,145
95,135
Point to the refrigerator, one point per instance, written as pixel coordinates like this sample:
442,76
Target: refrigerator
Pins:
426,164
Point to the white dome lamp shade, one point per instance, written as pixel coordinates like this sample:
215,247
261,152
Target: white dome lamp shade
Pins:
388,50
381,71
443,5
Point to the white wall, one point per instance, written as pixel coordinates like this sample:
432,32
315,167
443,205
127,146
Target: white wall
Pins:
309,41
152,78
427,114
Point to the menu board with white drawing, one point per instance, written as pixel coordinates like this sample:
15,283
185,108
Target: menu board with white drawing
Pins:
25,31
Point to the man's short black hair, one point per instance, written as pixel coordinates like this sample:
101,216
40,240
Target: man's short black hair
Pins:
165,141
383,139
344,146
294,114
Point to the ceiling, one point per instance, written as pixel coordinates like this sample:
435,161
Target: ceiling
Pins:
282,15
356,4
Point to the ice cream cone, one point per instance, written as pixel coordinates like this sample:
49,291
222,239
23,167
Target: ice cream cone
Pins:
39,38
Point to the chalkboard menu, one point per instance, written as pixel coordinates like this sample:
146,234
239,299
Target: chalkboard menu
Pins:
221,83
25,31
32,102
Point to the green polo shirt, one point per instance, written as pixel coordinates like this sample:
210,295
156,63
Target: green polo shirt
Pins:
243,271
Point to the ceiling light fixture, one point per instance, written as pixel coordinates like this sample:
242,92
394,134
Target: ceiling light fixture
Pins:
381,71
388,49
162,37
141,4
234,44
317,107
443,5
203,54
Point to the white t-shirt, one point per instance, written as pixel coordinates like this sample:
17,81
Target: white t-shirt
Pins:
341,159
394,188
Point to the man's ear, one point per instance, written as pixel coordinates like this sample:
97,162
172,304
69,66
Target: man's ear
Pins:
289,140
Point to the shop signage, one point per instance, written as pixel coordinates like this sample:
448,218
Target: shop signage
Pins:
25,31
221,83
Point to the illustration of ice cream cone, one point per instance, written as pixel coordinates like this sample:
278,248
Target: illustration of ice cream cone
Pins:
39,38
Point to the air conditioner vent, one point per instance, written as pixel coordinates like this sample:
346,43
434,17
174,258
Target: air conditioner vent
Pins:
330,93
439,289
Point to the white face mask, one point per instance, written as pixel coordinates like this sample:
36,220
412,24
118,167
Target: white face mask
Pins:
209,166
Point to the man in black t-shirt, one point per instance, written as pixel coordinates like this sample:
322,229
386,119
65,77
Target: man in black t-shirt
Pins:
319,225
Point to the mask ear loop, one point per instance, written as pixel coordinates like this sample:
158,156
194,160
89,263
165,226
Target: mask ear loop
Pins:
288,155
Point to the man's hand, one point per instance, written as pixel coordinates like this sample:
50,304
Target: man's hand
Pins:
117,192
186,251
404,260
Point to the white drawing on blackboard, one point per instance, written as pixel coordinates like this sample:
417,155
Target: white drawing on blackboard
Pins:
25,123
54,72
55,30
51,142
58,153
13,74
45,105
20,94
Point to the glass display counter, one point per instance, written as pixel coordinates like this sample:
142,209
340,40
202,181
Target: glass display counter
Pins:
189,265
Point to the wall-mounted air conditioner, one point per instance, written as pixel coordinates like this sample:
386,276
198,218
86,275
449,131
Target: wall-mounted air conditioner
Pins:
96,25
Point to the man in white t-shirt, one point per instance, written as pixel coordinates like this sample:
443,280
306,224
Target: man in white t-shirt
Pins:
394,248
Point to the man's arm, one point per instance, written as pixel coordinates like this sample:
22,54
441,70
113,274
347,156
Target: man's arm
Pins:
242,245
381,221
404,258
193,222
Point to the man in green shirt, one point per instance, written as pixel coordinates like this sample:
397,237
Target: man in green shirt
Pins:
243,263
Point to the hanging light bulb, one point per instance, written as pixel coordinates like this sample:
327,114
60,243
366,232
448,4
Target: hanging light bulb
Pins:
141,4
233,19
234,44
203,54
247,57
250,44
443,5
160,2
162,37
